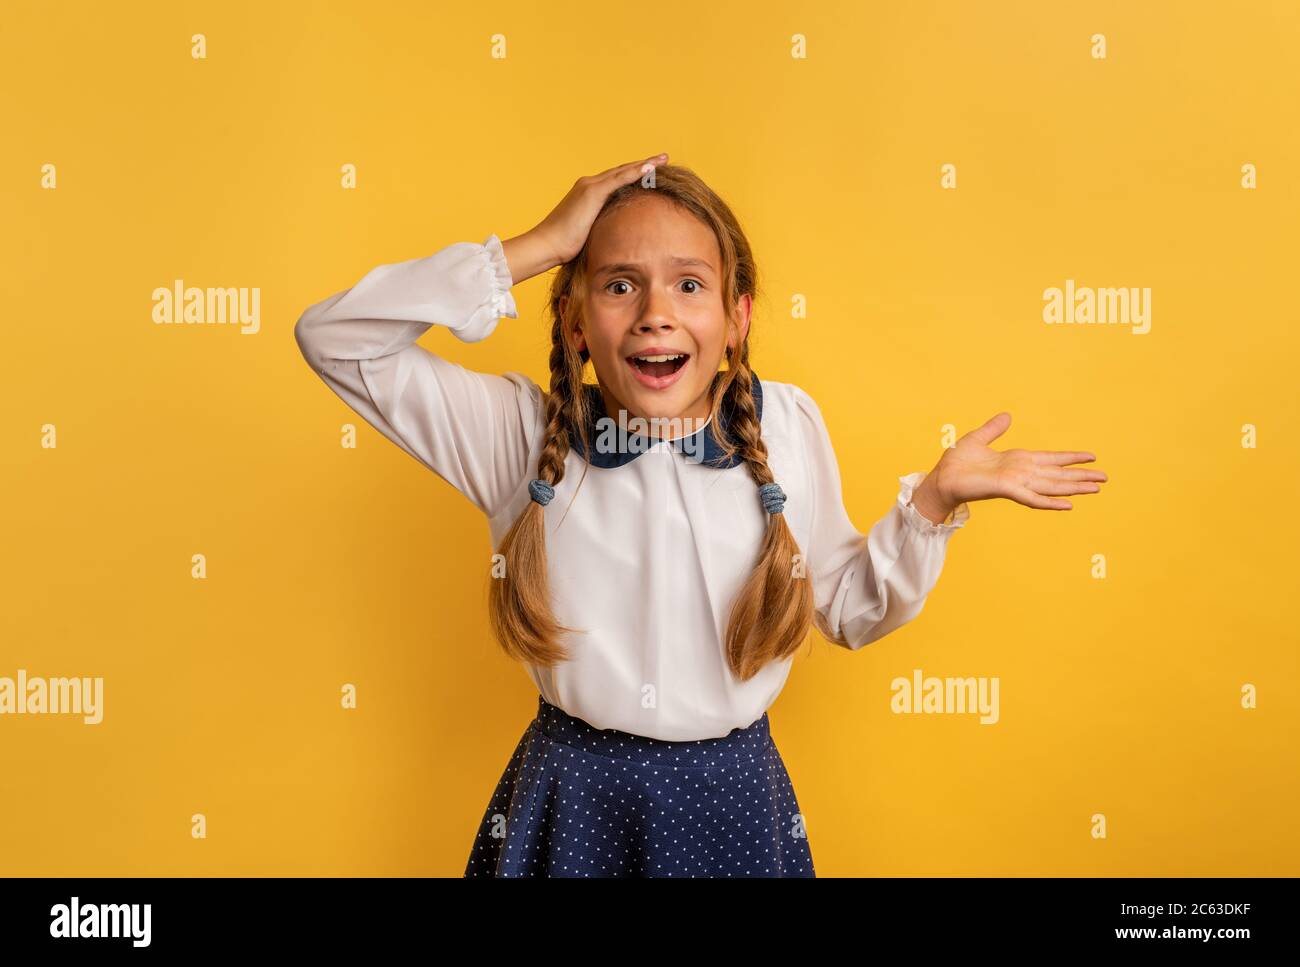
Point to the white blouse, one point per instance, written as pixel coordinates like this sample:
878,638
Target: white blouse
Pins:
648,556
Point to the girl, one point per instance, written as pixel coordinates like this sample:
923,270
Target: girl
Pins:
665,536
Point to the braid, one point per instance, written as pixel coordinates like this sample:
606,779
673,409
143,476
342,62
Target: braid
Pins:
519,604
746,424
564,399
773,612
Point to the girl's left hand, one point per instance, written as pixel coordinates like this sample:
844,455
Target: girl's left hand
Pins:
972,470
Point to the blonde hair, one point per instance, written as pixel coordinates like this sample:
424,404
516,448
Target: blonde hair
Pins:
772,614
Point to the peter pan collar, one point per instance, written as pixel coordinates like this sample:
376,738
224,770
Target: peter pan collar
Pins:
701,447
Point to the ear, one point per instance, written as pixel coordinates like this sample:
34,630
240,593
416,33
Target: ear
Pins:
744,307
578,340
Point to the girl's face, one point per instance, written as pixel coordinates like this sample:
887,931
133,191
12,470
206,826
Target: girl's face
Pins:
655,289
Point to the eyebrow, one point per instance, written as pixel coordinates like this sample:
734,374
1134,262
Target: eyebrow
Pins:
677,260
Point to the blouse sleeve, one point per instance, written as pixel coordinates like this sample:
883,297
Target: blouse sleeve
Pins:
475,430
866,587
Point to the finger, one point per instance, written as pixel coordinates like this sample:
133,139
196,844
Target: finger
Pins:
1061,457
626,172
1063,488
1023,495
1072,473
992,429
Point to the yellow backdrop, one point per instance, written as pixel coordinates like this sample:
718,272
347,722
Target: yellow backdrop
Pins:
130,447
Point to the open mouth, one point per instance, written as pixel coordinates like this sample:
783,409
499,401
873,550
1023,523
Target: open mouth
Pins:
659,366
658,371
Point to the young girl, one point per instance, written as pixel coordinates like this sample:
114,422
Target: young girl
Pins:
665,536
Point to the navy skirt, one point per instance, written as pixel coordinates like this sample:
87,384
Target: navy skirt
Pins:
579,801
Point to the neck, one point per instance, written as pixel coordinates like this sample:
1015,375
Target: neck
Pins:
693,419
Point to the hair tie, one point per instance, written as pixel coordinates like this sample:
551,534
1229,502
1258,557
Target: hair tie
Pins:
773,497
541,491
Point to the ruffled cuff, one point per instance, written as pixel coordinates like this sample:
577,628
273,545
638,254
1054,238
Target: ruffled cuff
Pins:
907,486
503,300
498,300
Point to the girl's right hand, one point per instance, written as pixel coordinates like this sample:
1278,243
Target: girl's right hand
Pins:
561,234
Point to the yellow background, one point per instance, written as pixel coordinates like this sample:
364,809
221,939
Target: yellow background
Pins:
325,565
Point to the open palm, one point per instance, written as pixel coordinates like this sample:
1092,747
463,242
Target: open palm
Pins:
972,470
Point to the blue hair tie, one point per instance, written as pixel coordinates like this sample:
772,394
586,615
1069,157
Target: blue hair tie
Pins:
541,491
773,497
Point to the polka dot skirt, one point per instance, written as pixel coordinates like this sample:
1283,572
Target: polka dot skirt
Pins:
579,801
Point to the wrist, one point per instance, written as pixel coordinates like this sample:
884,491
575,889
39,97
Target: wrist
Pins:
932,504
527,255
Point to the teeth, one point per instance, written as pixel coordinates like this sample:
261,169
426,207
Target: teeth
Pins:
659,359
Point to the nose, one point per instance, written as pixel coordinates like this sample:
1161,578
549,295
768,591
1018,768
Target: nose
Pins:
657,314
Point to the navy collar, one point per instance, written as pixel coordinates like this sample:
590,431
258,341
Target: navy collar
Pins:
611,443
